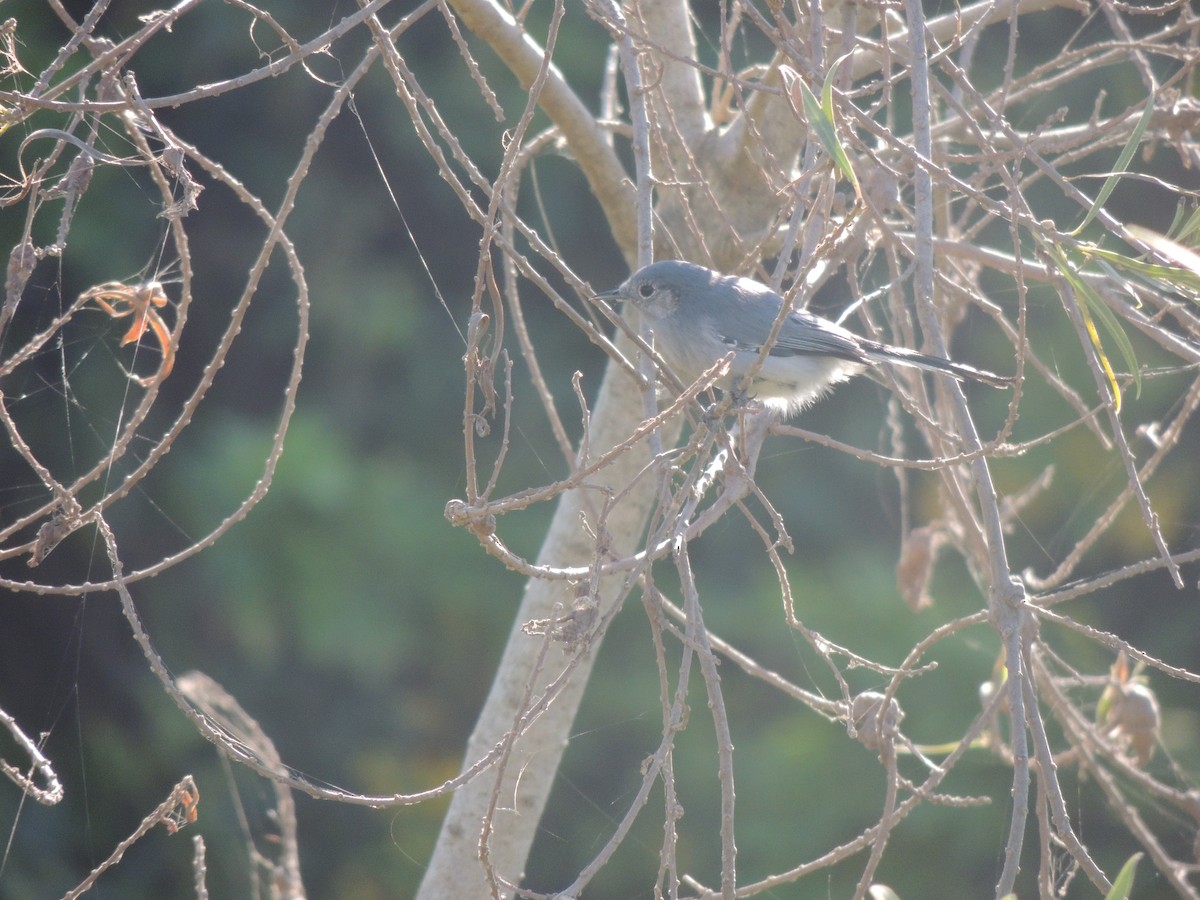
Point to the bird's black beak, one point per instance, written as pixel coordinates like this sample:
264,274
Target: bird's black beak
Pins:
613,296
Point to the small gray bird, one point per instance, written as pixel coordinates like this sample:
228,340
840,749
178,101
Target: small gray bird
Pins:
698,316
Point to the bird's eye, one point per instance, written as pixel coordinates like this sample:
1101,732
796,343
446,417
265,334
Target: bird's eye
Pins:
646,290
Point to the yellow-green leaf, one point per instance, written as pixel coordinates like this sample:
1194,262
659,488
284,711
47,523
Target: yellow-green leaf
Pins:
1092,307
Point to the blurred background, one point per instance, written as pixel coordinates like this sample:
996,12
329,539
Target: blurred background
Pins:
361,629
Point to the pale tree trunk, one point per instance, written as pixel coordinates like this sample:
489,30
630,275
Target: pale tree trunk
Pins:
741,190
455,870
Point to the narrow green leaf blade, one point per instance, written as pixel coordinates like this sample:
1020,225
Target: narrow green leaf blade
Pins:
1124,880
820,120
1092,304
1183,256
1111,181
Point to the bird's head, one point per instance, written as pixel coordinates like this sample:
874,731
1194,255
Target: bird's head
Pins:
659,289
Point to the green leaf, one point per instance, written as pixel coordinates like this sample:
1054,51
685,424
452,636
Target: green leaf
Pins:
1172,277
1178,226
1094,303
1184,257
1093,308
1124,881
1110,183
1185,227
820,116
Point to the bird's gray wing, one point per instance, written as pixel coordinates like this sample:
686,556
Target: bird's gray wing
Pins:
806,334
802,333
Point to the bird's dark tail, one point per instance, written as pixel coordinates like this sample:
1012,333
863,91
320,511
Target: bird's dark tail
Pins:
902,357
